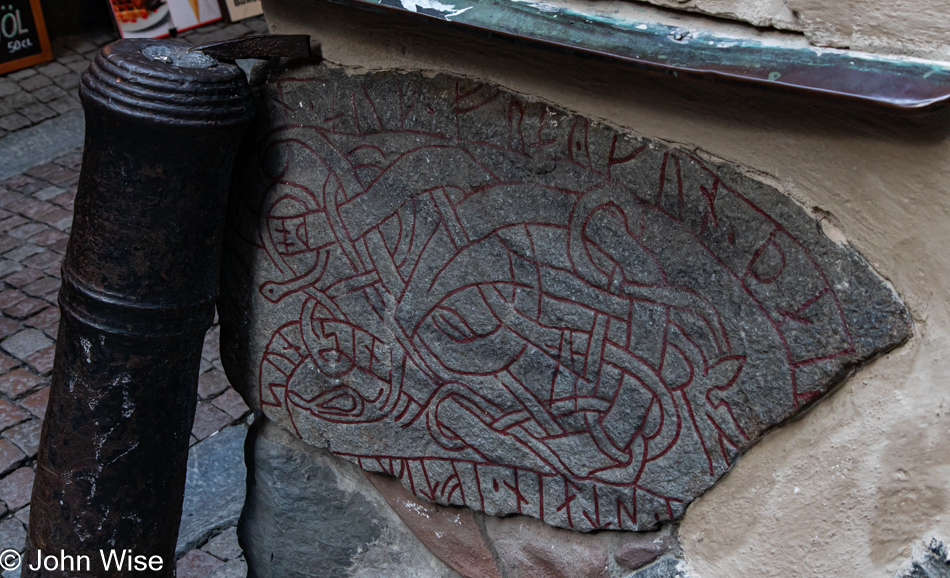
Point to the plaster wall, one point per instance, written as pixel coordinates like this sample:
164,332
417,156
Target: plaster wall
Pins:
911,27
848,488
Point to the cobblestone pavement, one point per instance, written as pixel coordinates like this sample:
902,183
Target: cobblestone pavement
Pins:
35,218
32,95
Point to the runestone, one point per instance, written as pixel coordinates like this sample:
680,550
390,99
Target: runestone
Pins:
520,310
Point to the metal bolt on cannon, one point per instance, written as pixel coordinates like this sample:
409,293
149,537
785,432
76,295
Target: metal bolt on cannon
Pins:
163,124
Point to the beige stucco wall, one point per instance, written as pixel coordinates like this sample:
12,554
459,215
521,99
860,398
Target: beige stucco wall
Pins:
911,27
845,490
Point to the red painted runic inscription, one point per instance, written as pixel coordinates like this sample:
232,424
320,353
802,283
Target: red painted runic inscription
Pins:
521,311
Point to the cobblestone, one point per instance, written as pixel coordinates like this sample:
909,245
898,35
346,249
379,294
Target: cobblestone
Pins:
25,342
224,546
197,564
208,419
36,403
42,360
15,489
231,403
26,436
13,534
10,415
10,456
212,383
18,382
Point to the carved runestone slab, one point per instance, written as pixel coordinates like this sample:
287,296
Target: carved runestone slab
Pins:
520,310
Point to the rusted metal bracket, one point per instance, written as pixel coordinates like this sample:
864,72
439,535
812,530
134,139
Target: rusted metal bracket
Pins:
619,33
286,45
140,276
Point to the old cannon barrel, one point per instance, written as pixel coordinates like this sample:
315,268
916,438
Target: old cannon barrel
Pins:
163,123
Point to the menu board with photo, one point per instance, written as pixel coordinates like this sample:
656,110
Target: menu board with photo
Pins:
241,9
156,18
23,39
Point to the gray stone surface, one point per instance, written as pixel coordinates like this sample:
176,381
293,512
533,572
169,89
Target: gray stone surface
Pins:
930,558
665,567
232,569
214,488
41,143
312,515
522,311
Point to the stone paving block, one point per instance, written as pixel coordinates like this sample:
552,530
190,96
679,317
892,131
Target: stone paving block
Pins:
10,297
22,252
59,246
48,193
25,276
47,237
19,99
8,327
8,243
99,39
81,45
45,284
211,383
10,456
18,382
32,187
71,160
25,308
232,569
59,218
37,112
211,345
7,363
197,564
78,67
42,262
49,93
20,203
26,342
69,57
11,415
35,82
8,87
51,69
14,121
44,320
208,419
224,546
42,360
12,535
43,171
23,515
36,209
64,104
65,200
36,403
68,81
231,403
27,230
11,223
26,436
15,489
21,74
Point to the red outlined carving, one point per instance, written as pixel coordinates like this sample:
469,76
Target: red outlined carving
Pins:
554,356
